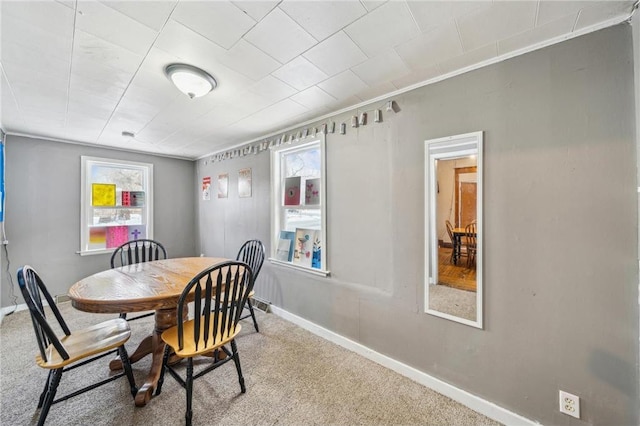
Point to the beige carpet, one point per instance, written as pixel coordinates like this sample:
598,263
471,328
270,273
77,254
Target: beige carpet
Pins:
293,378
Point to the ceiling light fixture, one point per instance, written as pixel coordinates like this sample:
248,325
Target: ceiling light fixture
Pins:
190,80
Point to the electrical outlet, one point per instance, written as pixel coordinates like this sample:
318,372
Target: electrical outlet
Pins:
569,404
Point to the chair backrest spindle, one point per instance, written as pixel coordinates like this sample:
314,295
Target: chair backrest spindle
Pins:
137,251
219,294
32,289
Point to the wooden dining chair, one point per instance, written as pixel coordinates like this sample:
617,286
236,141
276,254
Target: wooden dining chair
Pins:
74,349
137,251
219,294
471,243
252,253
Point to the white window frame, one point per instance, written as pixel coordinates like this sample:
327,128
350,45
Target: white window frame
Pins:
277,201
85,198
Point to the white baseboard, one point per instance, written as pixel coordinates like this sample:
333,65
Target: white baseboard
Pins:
11,309
474,402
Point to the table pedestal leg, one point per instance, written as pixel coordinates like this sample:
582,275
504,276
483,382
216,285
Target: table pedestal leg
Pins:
144,348
165,318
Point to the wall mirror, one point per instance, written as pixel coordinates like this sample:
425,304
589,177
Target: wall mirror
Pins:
453,228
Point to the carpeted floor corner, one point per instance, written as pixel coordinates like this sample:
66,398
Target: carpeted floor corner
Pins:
292,376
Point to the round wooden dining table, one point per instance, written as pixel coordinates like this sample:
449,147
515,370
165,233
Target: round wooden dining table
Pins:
155,285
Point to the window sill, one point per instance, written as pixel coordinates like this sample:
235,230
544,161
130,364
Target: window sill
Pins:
92,252
314,271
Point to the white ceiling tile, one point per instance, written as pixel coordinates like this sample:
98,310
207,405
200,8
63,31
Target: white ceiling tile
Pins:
56,65
347,102
385,27
35,40
417,76
98,91
552,10
377,90
469,58
219,21
273,89
71,4
35,79
343,85
603,11
313,98
431,14
435,46
10,117
153,14
91,106
84,67
381,68
221,116
272,117
250,61
500,20
335,54
280,36
114,27
256,9
188,45
91,48
300,73
323,18
537,35
50,17
372,4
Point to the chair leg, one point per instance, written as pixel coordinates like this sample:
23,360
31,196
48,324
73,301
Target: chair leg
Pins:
126,365
46,388
189,388
253,315
236,360
51,393
165,359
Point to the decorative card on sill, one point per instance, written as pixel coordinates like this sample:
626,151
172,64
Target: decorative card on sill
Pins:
117,235
290,236
312,192
292,191
126,198
305,239
137,232
283,249
137,198
103,194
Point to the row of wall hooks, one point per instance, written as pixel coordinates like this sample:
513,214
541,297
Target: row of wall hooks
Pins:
287,138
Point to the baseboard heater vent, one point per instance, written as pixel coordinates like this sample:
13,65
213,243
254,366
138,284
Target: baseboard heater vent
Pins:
263,305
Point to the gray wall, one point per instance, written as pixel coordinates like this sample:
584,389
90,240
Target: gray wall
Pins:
43,210
560,241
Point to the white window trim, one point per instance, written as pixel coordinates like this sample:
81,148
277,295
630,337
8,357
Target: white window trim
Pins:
277,207
85,196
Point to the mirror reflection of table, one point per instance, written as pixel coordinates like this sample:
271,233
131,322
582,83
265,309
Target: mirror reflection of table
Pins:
458,234
140,287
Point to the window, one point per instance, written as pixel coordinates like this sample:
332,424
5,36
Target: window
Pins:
298,218
116,203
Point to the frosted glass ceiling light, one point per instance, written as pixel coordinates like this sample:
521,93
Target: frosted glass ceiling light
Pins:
190,80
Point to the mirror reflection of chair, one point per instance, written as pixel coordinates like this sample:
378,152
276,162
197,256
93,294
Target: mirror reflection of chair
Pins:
457,248
471,243
219,294
137,251
252,253
78,348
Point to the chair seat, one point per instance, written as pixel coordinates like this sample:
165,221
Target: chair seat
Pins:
86,342
170,337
